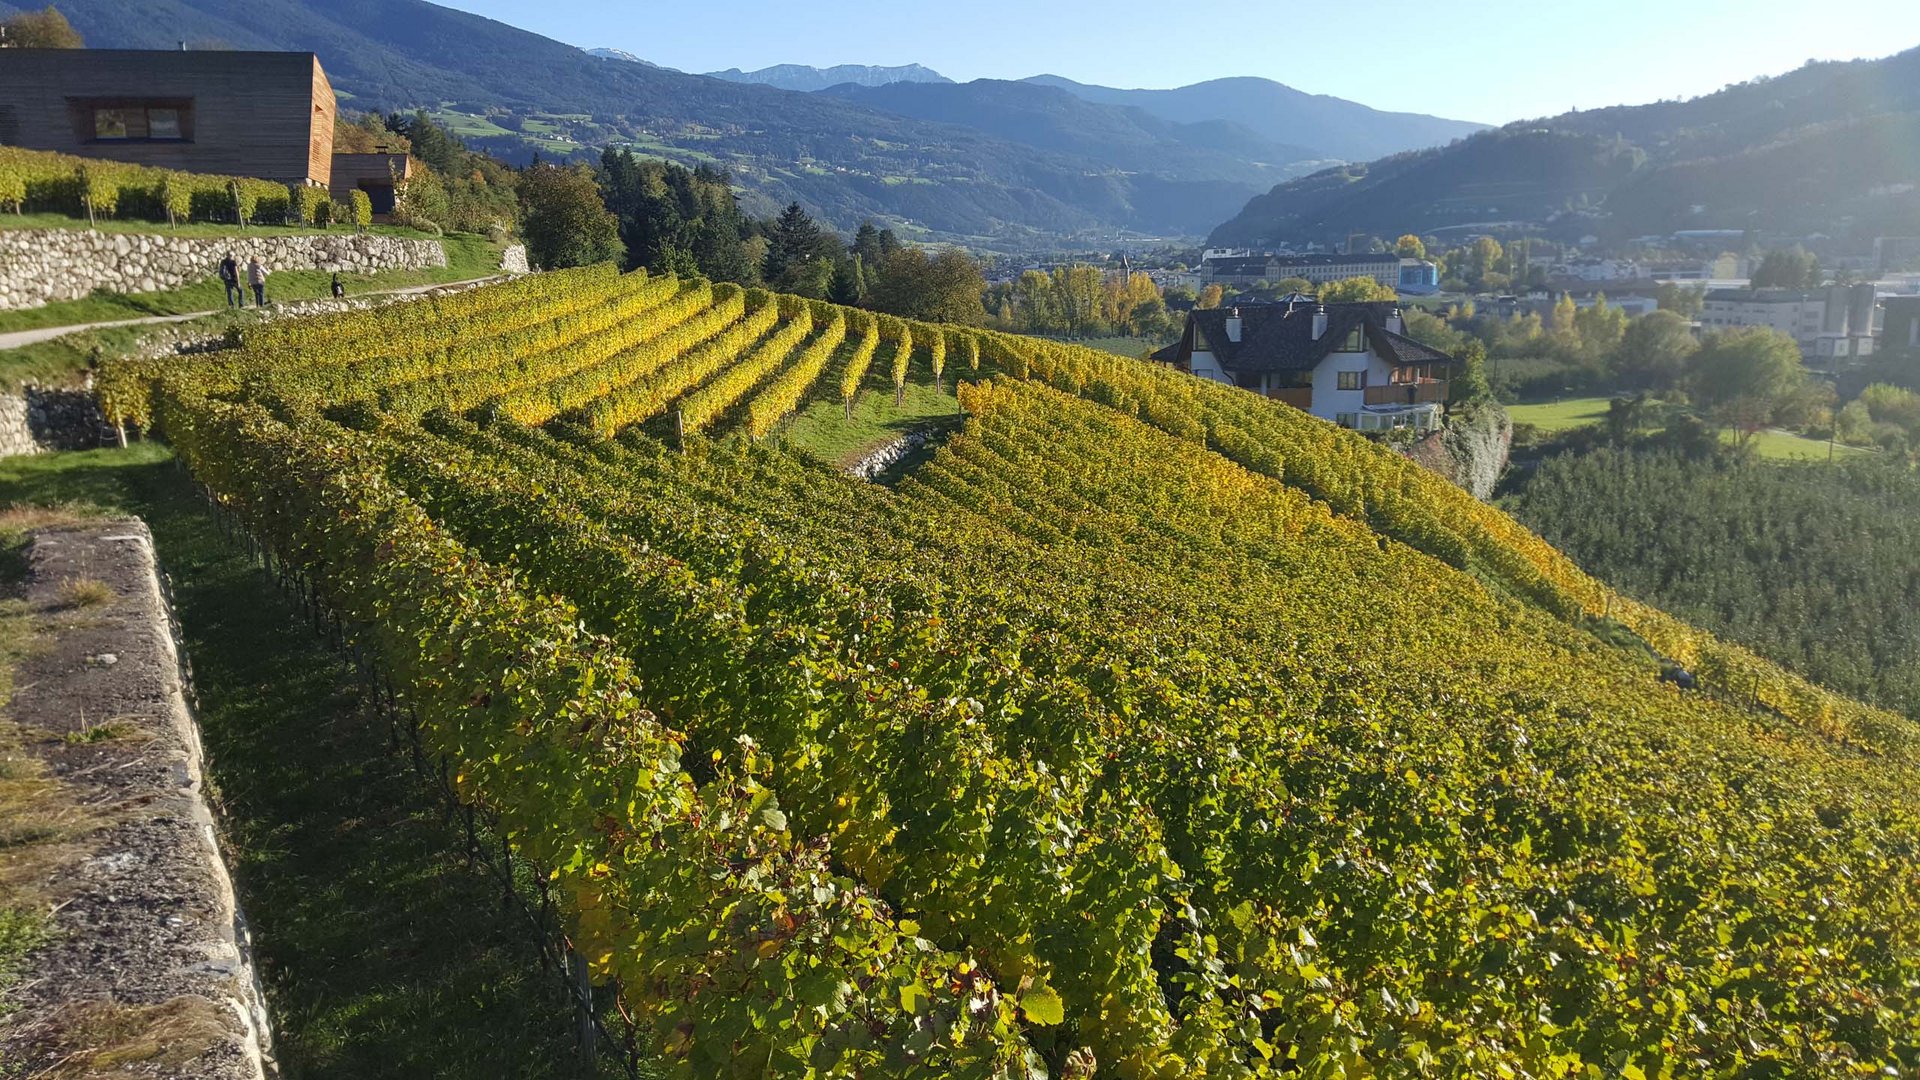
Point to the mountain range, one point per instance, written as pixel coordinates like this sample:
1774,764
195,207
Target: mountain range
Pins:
1832,148
1334,127
804,78
996,164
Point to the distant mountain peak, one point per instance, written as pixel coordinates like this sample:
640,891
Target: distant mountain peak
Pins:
619,54
803,77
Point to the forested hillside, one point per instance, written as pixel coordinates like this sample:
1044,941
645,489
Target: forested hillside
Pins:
1150,728
1333,126
1809,151
846,161
1817,567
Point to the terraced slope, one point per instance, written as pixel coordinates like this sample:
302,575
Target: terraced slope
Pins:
1150,724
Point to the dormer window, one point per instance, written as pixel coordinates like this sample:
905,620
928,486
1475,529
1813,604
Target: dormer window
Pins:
1352,344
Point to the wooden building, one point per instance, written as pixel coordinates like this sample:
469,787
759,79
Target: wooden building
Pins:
380,175
262,114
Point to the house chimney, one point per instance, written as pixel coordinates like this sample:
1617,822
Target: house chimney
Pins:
1319,321
1395,325
183,46
1233,325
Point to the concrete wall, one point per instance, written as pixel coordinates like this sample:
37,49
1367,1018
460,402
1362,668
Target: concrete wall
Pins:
40,266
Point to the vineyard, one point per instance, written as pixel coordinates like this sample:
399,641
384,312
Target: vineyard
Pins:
1148,729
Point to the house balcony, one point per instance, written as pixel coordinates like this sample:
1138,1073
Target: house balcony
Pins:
1300,397
1426,391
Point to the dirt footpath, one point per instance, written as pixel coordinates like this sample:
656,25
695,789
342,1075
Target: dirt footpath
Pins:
142,969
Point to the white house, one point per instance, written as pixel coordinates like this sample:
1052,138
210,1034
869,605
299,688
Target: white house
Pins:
1348,363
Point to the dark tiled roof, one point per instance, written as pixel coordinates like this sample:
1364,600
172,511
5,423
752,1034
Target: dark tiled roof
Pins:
1766,296
1256,266
1168,355
1279,337
1334,260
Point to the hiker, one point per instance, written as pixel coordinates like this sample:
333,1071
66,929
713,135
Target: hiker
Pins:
257,277
339,290
230,277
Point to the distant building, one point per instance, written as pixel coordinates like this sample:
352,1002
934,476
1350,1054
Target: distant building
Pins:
1245,270
1598,270
381,176
1830,325
1901,329
1348,363
262,114
1418,277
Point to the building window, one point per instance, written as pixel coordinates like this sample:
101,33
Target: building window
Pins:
163,123
1352,380
1347,419
109,123
1352,344
140,123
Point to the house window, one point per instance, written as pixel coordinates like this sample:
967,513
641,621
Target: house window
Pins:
1347,419
1352,380
135,122
110,123
163,123
1352,344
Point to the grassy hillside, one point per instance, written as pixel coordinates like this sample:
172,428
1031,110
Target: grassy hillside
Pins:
1149,728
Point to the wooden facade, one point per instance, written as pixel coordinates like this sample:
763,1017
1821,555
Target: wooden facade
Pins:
379,175
262,114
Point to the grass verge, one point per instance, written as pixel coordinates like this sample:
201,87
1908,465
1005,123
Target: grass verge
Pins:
384,954
822,429
1552,417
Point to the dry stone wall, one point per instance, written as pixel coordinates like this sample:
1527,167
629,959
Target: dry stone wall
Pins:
42,266
51,418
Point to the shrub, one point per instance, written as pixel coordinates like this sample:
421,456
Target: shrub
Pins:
323,213
362,208
99,192
304,202
13,185
175,194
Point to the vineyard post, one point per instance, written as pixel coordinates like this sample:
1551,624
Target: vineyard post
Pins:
583,1006
679,429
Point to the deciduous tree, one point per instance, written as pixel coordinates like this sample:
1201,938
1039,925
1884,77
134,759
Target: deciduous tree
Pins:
563,219
944,287
1354,290
1654,350
43,29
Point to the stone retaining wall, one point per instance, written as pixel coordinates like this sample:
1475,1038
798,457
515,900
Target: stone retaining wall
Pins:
41,266
51,418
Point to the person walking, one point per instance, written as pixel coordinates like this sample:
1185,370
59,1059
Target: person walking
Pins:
339,290
230,277
257,277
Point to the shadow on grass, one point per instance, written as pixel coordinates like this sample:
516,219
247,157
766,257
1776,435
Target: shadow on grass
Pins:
383,953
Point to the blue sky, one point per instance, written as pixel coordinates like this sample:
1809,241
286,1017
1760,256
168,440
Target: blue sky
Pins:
1492,60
